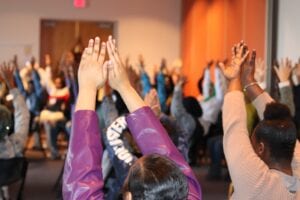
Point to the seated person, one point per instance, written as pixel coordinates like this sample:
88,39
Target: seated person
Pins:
161,173
54,116
267,165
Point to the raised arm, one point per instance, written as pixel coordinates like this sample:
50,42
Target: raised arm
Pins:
37,84
21,113
252,89
82,173
184,119
19,82
206,83
143,124
220,84
145,80
161,90
241,158
286,92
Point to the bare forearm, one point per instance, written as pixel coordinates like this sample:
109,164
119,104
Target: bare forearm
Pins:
86,99
131,98
234,85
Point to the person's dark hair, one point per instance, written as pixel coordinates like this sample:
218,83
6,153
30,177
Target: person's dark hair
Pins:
278,132
6,122
192,106
155,177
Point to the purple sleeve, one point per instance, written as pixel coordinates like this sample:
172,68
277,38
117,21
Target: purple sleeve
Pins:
82,173
151,137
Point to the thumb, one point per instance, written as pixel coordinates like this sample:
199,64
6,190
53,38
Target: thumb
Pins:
105,69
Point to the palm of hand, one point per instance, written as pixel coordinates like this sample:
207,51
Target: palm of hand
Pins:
117,74
91,73
239,55
233,70
260,70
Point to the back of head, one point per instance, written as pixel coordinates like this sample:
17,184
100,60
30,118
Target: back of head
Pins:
155,177
6,123
278,132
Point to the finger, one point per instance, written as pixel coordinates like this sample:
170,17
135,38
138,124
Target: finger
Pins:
112,62
242,49
114,49
90,47
253,58
235,49
281,63
286,61
83,57
104,72
101,57
96,49
245,56
112,67
242,43
108,68
245,49
110,50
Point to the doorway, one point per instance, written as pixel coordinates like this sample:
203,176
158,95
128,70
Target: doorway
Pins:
60,36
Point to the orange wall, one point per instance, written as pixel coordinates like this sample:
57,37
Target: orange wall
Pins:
211,27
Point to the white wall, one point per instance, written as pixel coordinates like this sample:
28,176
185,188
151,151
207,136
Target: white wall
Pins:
289,29
150,27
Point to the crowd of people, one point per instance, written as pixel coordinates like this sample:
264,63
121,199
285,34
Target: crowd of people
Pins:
134,136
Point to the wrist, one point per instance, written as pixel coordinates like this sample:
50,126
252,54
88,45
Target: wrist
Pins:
86,99
124,87
248,81
234,84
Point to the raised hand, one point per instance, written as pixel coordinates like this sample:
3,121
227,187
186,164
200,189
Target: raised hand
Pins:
117,75
141,63
91,73
248,70
163,66
181,81
210,63
260,72
284,70
7,75
296,70
152,100
15,62
240,53
118,78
